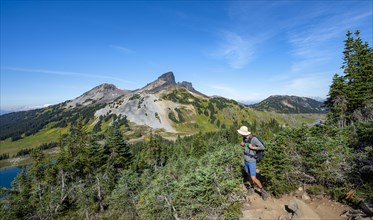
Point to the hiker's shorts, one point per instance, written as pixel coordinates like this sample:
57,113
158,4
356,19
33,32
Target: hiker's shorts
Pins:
250,166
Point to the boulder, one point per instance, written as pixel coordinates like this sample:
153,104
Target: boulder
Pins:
300,210
367,207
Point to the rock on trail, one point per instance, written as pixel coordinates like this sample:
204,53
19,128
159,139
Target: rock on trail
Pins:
290,207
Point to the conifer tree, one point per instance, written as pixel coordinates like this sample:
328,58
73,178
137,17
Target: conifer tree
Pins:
75,147
37,171
153,151
19,206
119,148
336,101
97,154
358,69
351,96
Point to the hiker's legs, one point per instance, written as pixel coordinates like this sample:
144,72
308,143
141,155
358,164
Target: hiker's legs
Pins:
252,168
256,181
246,165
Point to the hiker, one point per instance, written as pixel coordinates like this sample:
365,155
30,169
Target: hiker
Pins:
250,148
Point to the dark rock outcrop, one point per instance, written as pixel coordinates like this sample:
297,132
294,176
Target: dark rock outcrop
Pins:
168,77
187,85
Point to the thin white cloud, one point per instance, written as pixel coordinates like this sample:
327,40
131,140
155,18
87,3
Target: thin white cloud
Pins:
304,64
316,84
64,73
314,44
121,49
235,49
239,49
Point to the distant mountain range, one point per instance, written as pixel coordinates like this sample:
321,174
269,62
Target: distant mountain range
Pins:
163,106
290,104
22,108
3,112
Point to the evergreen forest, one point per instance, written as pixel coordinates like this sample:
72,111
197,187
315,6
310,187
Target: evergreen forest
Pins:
201,176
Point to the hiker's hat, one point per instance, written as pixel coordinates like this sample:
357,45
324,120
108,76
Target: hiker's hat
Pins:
244,130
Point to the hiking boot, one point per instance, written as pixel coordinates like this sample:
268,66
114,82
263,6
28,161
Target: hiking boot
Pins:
264,194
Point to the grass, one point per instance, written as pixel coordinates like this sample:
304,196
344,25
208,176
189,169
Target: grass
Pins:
46,135
24,160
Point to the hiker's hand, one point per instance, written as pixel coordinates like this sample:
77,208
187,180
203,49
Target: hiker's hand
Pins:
252,147
242,144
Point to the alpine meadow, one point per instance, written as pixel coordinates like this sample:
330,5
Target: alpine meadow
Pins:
117,156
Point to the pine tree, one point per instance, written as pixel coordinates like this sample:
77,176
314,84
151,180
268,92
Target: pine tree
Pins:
20,205
75,145
97,154
119,148
358,70
351,96
36,172
336,101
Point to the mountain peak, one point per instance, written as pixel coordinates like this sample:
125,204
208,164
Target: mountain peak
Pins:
103,93
104,86
187,85
162,81
168,77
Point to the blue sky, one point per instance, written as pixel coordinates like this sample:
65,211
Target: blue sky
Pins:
244,50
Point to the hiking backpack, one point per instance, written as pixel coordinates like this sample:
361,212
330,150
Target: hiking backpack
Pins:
259,153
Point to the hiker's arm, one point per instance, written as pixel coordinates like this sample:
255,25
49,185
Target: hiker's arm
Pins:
257,144
252,147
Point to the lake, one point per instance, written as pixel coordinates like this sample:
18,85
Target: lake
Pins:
7,175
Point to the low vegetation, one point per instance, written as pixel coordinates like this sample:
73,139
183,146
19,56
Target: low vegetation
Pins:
195,177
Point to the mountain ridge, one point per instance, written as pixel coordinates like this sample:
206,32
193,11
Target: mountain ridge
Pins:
163,105
290,104
103,93
106,93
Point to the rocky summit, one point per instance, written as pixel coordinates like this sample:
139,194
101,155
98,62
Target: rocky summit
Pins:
145,106
168,77
103,93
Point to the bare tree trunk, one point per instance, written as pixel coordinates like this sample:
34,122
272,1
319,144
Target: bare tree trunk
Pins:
99,194
63,187
40,193
173,208
86,214
63,191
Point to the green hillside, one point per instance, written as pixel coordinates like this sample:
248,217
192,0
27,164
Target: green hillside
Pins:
291,105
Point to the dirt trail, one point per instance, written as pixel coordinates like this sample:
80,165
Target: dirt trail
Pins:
289,207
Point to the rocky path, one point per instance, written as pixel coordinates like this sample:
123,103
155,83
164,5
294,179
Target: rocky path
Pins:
290,207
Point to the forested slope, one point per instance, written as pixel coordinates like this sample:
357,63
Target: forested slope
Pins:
198,176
